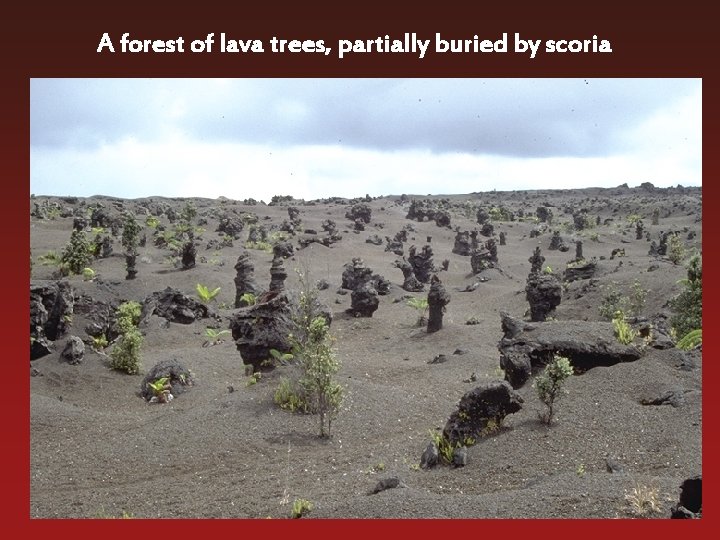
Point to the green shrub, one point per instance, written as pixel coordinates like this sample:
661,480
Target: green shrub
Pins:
688,304
300,507
676,249
77,254
128,316
130,234
125,355
549,384
88,274
290,396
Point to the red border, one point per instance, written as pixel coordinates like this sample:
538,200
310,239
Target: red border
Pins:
60,41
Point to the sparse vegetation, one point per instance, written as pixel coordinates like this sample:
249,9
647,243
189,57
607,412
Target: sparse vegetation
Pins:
630,302
676,249
421,305
125,355
690,340
687,305
77,255
644,500
623,331
446,449
300,507
549,385
161,390
205,294
248,299
214,336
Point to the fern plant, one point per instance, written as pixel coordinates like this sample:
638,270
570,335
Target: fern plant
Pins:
421,305
214,336
690,340
205,294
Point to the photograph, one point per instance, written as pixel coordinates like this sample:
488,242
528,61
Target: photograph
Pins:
329,298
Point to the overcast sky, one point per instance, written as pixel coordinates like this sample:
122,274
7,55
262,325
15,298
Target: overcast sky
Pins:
314,138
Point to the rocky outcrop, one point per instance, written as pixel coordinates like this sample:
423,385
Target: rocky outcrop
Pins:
278,275
410,282
482,409
438,299
283,249
261,327
536,261
173,305
356,273
557,242
230,225
579,270
361,212
188,255
244,281
51,310
465,243
364,300
422,263
528,347
543,293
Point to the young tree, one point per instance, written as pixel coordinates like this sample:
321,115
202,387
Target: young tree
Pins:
688,304
550,382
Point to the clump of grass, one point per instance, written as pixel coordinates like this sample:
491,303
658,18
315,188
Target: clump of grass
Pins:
644,500
446,449
623,331
300,508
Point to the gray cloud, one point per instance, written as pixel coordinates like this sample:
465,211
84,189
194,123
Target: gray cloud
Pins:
506,117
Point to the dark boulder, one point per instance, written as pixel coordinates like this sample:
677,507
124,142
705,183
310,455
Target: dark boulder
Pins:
179,378
481,409
74,350
261,327
465,243
173,305
422,263
543,293
690,504
359,212
230,225
51,310
364,300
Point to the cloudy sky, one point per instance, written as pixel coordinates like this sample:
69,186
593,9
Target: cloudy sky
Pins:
314,138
